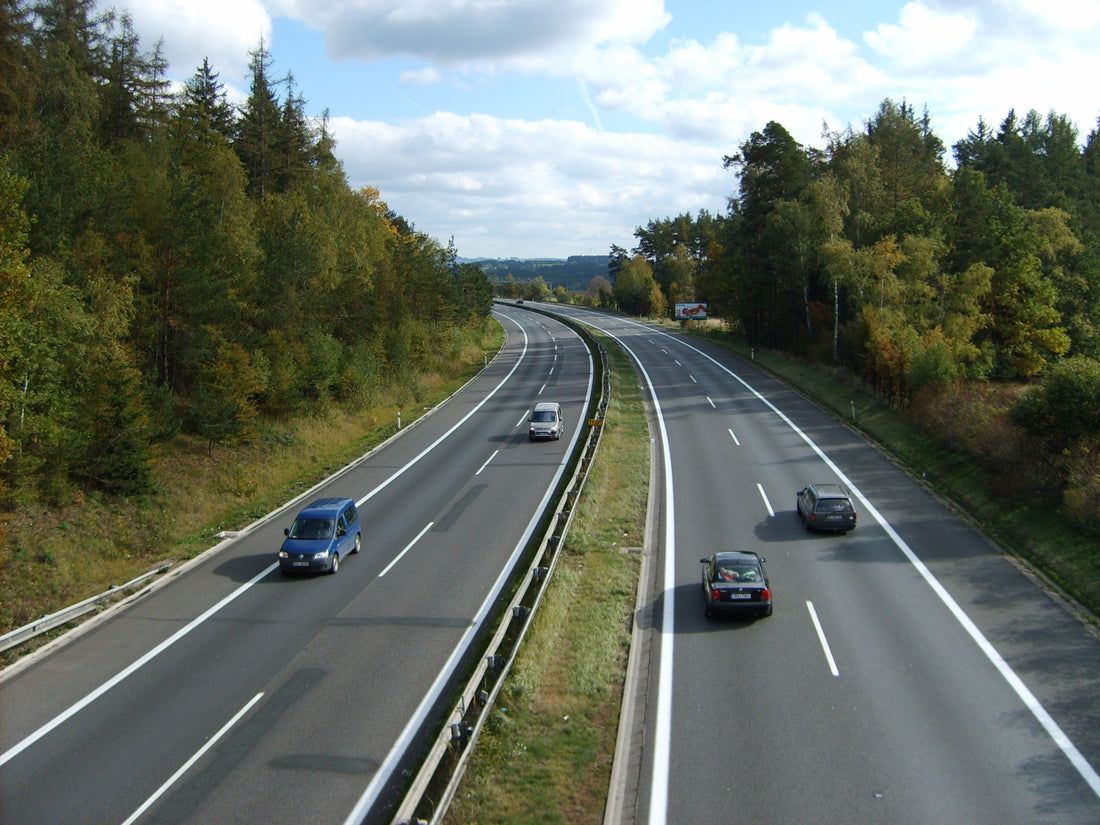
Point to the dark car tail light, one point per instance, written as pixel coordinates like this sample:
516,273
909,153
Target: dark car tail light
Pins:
765,595
715,595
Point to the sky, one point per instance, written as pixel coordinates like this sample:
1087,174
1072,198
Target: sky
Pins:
550,128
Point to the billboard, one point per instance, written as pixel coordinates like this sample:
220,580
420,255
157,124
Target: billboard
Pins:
691,312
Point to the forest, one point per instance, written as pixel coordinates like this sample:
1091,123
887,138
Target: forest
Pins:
929,281
171,263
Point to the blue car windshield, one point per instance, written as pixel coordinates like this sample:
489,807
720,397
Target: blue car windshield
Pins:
312,528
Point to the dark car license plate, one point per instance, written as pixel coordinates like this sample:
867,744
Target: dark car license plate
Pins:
299,564
735,596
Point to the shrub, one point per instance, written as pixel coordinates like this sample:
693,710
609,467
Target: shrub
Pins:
1065,406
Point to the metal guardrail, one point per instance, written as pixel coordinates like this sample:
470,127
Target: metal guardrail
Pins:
14,638
432,789
435,784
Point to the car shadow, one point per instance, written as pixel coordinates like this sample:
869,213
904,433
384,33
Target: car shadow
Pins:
245,568
689,616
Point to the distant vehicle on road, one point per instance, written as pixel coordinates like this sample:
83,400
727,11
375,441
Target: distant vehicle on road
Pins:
826,507
736,583
546,421
324,532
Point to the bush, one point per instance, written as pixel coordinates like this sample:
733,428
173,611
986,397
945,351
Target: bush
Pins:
1065,406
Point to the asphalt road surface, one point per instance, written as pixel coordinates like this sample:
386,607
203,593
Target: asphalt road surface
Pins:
233,694
911,673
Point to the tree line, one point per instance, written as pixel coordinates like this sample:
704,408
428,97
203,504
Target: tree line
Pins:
875,255
170,261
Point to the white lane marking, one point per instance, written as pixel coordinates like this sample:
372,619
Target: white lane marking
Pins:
711,401
187,765
767,503
486,464
693,381
67,714
64,716
408,547
457,424
404,740
526,415
734,437
658,791
541,389
821,638
1053,729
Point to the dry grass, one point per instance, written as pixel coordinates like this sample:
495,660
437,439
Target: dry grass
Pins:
51,557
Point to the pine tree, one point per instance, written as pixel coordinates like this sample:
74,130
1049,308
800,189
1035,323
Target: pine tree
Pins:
257,131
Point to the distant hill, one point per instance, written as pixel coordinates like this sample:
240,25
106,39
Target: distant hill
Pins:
574,272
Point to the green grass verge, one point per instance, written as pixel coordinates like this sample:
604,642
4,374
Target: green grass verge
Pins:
545,753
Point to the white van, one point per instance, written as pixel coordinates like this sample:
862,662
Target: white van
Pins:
546,421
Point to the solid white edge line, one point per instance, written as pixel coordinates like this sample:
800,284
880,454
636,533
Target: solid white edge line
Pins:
658,790
1087,772
67,714
821,638
131,669
187,765
370,794
457,424
408,547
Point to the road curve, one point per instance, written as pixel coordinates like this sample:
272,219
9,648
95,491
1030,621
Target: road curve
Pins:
233,694
911,672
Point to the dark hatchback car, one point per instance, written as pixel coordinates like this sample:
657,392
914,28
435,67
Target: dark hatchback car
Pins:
826,507
323,533
736,583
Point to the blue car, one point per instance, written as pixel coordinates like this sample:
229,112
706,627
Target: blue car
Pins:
324,532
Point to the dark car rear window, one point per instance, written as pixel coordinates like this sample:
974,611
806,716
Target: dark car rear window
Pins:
738,572
834,505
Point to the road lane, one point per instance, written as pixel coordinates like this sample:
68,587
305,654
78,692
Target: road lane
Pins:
950,703
344,663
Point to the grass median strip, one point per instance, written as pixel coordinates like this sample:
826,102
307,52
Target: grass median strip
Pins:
546,751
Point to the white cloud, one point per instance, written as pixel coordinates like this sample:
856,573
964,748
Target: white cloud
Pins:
720,91
502,185
506,187
421,77
459,32
224,31
924,37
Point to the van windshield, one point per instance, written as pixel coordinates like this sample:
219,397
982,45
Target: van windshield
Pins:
543,415
312,528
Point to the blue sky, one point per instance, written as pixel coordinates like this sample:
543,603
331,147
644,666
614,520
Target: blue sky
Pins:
548,128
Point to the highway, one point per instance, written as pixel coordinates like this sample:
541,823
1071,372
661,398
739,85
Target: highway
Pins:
911,673
230,693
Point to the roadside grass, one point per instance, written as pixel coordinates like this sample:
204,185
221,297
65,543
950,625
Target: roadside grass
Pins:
545,753
54,556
